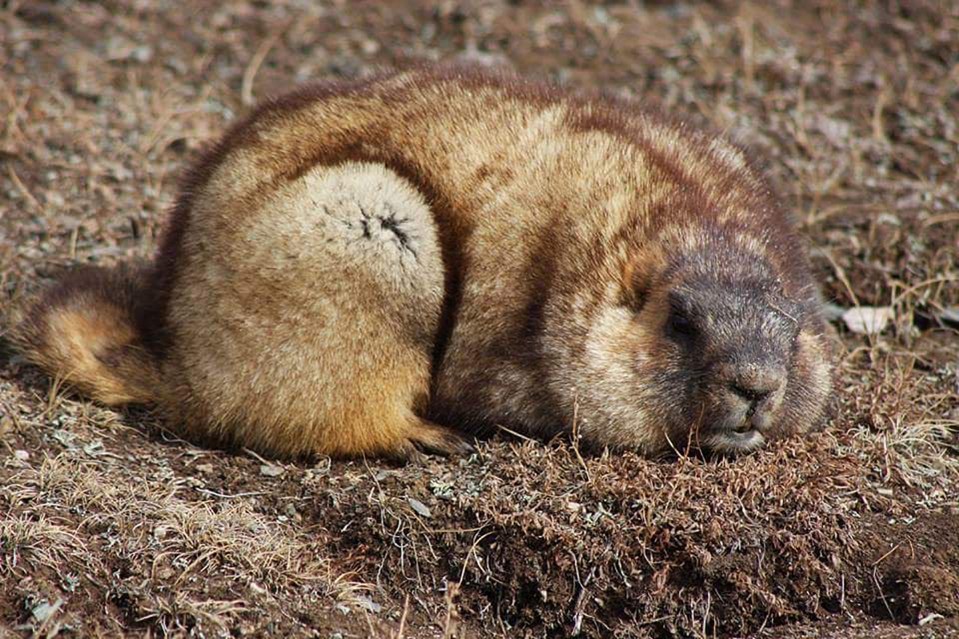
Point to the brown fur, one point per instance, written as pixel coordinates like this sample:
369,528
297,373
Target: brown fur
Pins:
84,330
353,262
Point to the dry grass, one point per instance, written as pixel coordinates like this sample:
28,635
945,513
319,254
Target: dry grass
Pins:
86,513
110,526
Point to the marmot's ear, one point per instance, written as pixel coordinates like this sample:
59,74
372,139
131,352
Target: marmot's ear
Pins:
637,276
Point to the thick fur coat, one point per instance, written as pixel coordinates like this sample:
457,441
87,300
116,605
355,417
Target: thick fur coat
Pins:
353,264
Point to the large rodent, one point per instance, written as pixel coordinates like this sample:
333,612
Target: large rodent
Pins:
353,264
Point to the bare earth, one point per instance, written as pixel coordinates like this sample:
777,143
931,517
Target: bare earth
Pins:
110,526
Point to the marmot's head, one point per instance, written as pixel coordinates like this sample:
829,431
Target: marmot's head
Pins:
735,343
713,348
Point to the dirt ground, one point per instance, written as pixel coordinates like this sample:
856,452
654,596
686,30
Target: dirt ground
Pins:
110,526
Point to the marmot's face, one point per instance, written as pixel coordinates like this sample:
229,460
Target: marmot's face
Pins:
736,340
712,353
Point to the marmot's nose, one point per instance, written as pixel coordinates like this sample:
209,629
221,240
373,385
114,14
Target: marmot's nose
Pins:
751,394
754,384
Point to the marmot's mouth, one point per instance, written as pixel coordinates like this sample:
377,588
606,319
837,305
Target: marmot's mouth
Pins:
734,442
745,426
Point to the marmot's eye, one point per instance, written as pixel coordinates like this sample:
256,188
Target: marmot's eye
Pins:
680,325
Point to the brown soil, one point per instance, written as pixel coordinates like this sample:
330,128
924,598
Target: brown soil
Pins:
110,526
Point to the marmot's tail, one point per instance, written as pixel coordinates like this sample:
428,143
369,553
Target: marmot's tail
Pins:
84,331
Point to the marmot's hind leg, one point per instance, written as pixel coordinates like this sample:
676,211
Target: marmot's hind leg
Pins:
337,283
427,437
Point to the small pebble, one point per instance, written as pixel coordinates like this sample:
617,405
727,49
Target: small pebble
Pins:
420,508
270,470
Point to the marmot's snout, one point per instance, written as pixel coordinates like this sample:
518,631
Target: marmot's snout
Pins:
748,396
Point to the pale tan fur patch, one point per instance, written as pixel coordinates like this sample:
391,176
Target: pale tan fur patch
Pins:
320,310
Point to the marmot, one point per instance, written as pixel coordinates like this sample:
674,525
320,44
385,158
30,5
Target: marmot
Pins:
354,264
